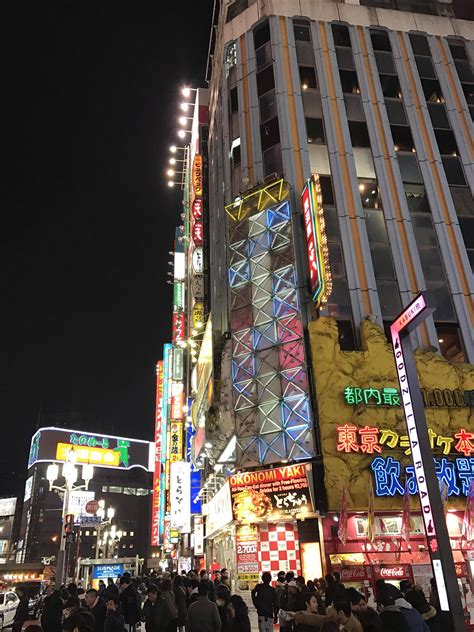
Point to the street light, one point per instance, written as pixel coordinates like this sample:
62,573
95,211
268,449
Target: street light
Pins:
71,474
106,516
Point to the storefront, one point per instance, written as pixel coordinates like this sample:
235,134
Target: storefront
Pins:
373,528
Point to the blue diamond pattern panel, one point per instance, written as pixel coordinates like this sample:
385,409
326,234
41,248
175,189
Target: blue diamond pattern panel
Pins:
270,384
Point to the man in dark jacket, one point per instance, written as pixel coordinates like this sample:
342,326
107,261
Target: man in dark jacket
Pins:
97,607
150,609
114,621
129,601
203,615
111,590
265,601
21,614
51,617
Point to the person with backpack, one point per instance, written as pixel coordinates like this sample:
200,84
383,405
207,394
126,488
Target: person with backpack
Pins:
265,601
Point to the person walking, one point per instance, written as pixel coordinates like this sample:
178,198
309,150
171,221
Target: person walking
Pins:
265,601
180,600
239,615
167,612
97,607
129,602
149,614
114,621
111,590
51,617
203,614
21,614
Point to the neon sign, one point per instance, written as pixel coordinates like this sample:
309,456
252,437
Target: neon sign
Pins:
196,209
437,397
178,327
197,175
389,475
369,440
155,519
198,233
316,242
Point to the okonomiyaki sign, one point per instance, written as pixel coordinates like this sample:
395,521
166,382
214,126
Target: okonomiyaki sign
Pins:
270,494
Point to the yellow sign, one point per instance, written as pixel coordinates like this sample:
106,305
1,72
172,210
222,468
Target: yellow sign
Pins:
197,175
85,454
198,315
176,441
248,577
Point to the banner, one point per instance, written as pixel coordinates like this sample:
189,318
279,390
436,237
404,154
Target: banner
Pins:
342,531
270,494
176,441
246,539
155,511
180,496
371,515
468,520
405,530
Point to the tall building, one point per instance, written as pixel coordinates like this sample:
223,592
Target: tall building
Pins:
339,187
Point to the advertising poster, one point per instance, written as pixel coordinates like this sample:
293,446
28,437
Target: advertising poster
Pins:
246,539
270,494
180,496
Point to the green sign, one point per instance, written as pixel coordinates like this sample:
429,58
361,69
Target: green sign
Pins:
178,296
379,397
178,361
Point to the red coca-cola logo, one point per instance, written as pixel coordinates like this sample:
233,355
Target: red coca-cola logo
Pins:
348,574
391,572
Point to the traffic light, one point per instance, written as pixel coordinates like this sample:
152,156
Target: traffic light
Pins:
69,524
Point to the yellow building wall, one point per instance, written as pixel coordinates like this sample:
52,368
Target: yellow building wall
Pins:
374,366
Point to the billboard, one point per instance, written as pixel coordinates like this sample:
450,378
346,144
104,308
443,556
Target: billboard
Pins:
218,510
180,496
77,503
7,507
54,444
282,492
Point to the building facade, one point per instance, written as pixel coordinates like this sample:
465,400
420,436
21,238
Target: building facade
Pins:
361,113
122,479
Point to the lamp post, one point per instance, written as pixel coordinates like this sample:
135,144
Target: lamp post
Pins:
106,517
71,473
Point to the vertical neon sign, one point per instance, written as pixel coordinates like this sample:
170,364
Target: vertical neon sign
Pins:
316,242
155,519
167,368
431,504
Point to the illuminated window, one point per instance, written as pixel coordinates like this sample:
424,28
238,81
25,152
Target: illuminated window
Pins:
132,533
87,533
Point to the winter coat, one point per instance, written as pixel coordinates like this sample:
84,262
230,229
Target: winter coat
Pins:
99,610
21,615
130,603
265,601
51,618
114,621
203,616
180,600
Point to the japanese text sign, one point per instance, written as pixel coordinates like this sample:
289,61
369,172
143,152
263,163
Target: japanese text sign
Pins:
270,494
180,496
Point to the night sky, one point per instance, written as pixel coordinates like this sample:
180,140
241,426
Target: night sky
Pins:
90,105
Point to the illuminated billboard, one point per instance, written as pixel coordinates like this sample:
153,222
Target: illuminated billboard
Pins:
54,444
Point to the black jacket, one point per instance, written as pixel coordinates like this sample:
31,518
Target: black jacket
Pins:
100,612
111,591
114,621
265,601
130,602
21,615
51,618
180,600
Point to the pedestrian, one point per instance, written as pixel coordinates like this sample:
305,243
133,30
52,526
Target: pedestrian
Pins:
222,603
287,602
239,615
265,601
300,594
101,588
339,587
129,602
204,577
225,579
111,590
97,607
356,599
330,594
217,579
370,620
392,619
192,589
80,621
167,612
180,600
412,616
428,613
149,614
114,621
203,614
308,618
21,614
346,618
51,617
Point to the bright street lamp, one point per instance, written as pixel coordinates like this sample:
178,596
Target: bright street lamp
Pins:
71,474
106,516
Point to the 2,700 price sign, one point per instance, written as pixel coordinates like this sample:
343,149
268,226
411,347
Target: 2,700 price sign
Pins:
242,549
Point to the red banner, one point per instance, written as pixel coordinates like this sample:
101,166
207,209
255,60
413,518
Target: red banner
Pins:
178,327
155,516
198,233
398,572
196,209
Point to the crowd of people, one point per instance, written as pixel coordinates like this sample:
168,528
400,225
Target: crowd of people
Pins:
326,605
196,602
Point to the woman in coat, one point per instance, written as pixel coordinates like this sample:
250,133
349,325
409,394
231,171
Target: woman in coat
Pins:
179,592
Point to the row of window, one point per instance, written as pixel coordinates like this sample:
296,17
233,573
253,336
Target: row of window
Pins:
128,491
124,534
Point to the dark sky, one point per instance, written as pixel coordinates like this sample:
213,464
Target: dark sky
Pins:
90,102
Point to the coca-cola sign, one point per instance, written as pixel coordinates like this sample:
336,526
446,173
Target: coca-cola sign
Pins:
392,572
355,573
